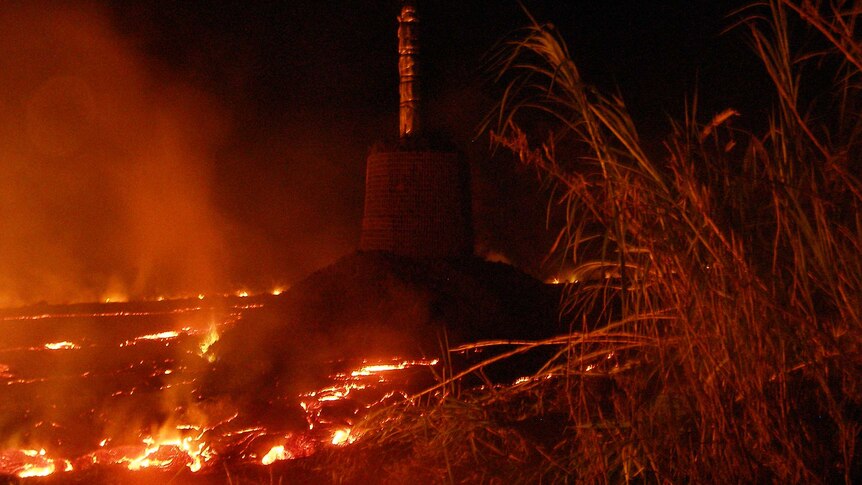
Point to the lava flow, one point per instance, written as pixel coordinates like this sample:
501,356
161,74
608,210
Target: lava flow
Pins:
118,386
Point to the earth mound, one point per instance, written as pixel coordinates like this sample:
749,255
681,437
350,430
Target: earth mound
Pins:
374,305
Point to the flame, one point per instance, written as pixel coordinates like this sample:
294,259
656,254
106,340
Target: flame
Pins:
277,453
342,436
35,463
211,337
64,345
159,336
184,445
364,377
169,335
377,368
242,294
61,316
166,452
31,470
356,387
572,278
115,298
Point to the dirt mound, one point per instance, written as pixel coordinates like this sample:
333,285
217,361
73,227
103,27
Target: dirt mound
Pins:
375,305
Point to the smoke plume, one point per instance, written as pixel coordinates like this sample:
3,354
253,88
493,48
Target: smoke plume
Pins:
107,165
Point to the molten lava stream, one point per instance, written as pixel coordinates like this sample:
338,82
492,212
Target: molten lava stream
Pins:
129,380
72,373
28,463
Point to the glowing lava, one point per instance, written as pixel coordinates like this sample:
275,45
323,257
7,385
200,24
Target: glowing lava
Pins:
61,346
166,454
342,436
277,453
160,336
30,463
211,337
160,383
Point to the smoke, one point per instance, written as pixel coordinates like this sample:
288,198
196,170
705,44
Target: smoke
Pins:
107,165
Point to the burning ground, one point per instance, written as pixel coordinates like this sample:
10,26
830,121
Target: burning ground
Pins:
127,390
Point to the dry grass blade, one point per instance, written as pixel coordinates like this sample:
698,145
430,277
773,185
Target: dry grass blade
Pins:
715,331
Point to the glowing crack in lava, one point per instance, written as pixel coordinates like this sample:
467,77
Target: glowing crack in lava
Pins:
32,463
166,453
116,385
275,454
61,346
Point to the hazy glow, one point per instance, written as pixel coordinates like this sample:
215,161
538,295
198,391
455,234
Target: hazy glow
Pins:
106,186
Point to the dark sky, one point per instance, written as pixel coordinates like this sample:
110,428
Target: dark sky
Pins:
272,108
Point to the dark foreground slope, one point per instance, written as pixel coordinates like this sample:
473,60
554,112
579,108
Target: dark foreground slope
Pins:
371,305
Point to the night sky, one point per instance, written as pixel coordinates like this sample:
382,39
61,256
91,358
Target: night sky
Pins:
156,147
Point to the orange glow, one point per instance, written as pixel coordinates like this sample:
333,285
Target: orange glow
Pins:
353,386
367,376
368,370
32,463
211,337
169,335
156,337
277,453
31,470
60,316
373,369
159,336
167,453
64,345
342,436
184,445
561,279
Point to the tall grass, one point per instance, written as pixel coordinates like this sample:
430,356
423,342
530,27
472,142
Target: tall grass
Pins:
721,342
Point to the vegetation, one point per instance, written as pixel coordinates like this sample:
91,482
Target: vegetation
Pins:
721,340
